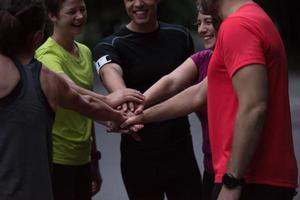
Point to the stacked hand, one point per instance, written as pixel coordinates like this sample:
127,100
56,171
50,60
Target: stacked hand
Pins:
131,103
125,99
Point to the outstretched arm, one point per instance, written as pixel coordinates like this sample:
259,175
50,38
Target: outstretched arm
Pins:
182,77
60,93
187,101
113,99
111,75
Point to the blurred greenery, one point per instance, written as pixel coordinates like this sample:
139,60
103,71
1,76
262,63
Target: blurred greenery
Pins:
107,16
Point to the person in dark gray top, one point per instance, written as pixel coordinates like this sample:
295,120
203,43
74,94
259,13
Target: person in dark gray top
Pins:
29,95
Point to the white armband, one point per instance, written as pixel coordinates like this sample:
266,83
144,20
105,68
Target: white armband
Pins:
101,62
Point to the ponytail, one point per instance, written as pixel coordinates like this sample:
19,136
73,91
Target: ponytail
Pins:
9,31
19,19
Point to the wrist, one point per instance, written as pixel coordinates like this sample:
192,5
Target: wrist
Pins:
105,98
118,117
232,182
96,156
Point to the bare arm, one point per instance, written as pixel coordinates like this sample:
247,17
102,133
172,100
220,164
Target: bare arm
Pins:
179,79
9,76
114,99
111,75
187,101
60,93
250,84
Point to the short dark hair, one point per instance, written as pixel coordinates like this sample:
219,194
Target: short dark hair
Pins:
19,19
53,6
216,19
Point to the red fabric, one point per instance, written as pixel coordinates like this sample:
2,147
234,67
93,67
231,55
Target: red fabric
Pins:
247,37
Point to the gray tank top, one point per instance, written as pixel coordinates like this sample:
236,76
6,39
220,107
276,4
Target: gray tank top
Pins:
25,139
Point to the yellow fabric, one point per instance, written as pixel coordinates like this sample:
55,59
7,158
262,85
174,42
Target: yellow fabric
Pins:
71,131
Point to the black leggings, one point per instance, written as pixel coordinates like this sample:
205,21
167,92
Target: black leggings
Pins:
72,182
149,175
260,192
208,184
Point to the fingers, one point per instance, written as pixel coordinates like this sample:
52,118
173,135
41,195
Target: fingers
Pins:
136,137
124,107
137,127
133,95
95,187
130,122
139,109
131,106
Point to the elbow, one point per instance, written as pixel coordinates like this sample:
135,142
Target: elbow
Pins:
101,74
257,110
260,110
169,85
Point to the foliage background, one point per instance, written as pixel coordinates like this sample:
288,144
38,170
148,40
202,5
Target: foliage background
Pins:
107,16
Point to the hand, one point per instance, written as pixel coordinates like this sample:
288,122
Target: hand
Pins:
132,121
230,194
140,108
131,131
115,127
125,97
96,177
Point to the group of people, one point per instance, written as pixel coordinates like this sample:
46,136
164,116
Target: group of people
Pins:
238,87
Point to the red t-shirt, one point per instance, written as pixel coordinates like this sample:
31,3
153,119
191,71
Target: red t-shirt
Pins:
246,37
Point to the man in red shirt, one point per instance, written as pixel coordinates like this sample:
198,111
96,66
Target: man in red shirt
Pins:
248,106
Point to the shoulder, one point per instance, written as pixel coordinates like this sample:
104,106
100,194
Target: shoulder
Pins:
9,75
174,28
48,48
203,53
47,45
112,39
83,48
250,17
202,57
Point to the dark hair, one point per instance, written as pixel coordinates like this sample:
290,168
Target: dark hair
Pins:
202,8
19,19
53,6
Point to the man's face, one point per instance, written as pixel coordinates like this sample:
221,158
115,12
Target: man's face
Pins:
210,7
141,12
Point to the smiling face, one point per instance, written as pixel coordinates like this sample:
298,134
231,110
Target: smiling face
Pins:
142,13
71,17
206,30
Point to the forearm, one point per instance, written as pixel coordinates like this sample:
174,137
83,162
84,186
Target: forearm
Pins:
182,77
247,132
81,90
88,106
112,77
59,92
188,101
84,91
162,89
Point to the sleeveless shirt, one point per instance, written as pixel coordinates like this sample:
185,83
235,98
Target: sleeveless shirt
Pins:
25,139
